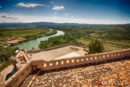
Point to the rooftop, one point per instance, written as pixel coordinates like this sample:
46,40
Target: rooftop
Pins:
84,76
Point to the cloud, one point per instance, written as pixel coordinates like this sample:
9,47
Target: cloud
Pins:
29,5
7,18
4,15
4,18
58,8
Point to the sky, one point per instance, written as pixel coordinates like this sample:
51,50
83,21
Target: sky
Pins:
65,11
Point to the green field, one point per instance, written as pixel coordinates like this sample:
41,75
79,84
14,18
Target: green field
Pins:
113,37
28,32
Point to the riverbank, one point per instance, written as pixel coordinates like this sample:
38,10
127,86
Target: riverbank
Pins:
28,45
51,32
14,36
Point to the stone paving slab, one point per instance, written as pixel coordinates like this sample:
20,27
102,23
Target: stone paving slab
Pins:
54,54
115,74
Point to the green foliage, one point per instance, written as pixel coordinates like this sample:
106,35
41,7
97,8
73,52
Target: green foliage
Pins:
5,54
6,64
23,32
54,41
95,47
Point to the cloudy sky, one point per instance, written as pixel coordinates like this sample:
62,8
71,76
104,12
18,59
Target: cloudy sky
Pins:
66,11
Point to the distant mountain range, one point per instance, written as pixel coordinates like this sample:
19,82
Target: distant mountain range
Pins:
37,24
50,24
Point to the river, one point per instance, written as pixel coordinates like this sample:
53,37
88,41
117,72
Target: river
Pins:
28,45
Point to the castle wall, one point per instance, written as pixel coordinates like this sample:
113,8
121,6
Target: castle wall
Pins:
52,48
19,76
95,58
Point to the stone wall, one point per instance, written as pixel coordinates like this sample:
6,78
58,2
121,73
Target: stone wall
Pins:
1,81
94,58
51,48
19,76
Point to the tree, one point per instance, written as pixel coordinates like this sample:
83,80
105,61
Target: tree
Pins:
95,47
54,41
5,54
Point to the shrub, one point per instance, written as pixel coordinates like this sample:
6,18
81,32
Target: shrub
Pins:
54,41
95,47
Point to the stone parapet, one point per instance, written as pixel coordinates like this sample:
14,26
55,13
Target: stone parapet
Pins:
19,76
93,58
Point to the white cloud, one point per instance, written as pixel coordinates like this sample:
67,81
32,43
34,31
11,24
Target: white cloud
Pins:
4,17
7,16
58,8
29,5
2,14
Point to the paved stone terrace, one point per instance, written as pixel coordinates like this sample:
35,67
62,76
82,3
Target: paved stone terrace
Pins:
117,74
59,53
